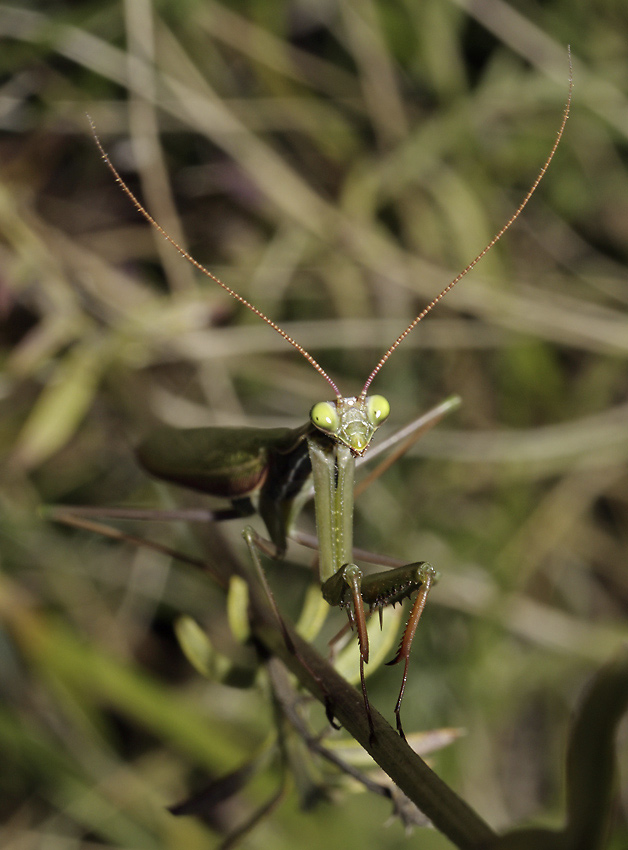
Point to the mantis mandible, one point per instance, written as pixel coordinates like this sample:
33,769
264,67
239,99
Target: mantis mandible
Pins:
274,467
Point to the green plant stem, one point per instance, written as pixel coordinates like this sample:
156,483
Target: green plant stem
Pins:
447,811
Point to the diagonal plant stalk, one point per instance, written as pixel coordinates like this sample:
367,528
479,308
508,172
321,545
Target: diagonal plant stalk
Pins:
448,812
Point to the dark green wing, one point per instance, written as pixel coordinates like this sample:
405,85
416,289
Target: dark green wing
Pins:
227,462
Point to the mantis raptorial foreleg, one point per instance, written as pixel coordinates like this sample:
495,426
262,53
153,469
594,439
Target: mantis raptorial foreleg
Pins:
428,576
350,588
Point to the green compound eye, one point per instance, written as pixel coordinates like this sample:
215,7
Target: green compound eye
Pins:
377,409
325,416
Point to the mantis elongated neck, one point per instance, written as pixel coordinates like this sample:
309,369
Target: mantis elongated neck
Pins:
333,468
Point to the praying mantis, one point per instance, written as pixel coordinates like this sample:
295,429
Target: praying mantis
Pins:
273,468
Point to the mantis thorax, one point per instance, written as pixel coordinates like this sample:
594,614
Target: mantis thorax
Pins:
351,421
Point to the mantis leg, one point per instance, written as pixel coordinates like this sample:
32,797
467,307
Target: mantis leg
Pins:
257,544
344,589
387,588
429,577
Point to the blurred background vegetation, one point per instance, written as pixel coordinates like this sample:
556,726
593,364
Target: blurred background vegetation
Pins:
337,163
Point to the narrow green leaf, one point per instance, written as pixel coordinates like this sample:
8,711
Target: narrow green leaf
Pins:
62,404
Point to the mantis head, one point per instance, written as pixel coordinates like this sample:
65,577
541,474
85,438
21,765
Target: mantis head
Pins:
351,421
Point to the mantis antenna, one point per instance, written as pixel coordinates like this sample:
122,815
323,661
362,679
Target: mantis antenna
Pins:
201,268
485,251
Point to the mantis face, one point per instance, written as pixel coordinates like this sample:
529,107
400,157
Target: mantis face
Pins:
351,421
